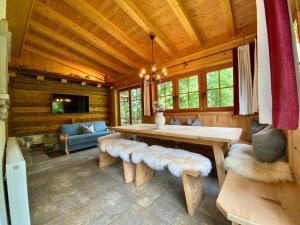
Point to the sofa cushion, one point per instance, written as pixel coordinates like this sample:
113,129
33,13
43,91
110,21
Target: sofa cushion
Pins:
99,126
255,128
70,129
197,122
83,138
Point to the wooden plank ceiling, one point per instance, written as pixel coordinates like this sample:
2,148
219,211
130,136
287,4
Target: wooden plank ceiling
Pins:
112,37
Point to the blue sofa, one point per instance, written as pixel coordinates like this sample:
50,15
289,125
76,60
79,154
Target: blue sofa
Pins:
71,138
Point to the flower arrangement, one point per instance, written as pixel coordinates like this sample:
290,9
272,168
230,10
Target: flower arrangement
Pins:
158,107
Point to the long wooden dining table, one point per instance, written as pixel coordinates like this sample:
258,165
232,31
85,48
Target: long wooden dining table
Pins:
217,137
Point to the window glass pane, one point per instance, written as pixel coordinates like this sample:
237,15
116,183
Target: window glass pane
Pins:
169,102
226,96
212,80
133,94
226,77
162,100
161,89
169,88
194,100
183,85
124,109
183,101
193,83
213,99
138,93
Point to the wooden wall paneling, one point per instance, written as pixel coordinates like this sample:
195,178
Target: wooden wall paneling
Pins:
142,20
294,153
90,12
68,24
184,18
54,35
30,111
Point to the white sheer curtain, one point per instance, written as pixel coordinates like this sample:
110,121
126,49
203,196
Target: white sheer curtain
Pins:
147,101
245,80
255,84
263,66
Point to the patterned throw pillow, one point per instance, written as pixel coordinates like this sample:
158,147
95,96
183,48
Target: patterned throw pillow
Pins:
87,129
189,121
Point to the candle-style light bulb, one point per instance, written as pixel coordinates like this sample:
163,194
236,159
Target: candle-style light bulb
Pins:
158,76
153,68
147,77
164,70
143,71
141,75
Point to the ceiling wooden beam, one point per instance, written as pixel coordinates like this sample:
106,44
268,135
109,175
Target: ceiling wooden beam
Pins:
185,20
66,54
92,14
141,19
73,27
54,35
228,45
88,71
228,16
18,16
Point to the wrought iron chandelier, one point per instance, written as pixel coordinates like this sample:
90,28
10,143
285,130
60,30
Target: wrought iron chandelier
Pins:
154,75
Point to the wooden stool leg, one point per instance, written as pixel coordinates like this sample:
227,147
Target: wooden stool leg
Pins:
143,174
193,190
129,171
105,159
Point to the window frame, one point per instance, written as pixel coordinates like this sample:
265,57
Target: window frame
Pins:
173,93
202,87
221,108
130,106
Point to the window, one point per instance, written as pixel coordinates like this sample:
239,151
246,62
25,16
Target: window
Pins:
130,106
201,91
188,92
124,107
136,108
165,94
219,86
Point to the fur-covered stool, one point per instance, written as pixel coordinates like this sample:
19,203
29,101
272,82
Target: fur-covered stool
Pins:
190,166
112,147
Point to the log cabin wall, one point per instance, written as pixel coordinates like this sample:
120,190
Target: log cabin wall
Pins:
30,109
294,152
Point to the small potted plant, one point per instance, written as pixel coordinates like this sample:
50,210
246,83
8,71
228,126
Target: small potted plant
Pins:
159,109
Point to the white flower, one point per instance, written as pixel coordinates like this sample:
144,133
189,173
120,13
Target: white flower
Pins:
158,107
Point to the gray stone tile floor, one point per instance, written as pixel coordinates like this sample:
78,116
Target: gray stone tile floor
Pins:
77,192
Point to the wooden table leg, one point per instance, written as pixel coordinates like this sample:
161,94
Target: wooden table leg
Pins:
193,191
129,171
219,158
143,174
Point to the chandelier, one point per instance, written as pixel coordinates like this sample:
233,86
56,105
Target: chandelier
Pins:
154,75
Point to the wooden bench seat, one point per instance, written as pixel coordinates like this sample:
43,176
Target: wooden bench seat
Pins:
246,202
157,158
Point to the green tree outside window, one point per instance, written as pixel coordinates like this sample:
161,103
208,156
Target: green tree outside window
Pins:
188,92
165,94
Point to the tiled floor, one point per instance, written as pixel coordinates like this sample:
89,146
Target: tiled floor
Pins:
77,192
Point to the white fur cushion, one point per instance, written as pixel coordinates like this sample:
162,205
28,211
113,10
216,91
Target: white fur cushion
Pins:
121,147
241,159
177,160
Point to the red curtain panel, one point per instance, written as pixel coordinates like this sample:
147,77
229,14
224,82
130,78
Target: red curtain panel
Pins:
285,108
236,103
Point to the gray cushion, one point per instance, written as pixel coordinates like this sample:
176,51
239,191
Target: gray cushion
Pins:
175,122
269,145
255,128
197,122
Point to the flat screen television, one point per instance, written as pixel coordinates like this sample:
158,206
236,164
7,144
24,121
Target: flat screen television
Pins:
62,103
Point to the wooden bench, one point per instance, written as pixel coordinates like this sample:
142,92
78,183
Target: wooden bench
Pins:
105,159
161,158
247,202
